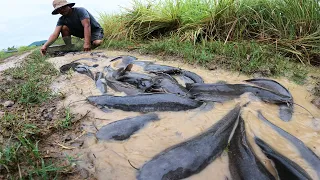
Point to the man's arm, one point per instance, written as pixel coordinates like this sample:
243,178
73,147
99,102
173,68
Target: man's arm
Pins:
51,40
87,34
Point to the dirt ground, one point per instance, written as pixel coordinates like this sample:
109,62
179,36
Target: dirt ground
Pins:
13,61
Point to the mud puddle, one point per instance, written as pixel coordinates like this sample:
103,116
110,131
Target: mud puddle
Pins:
110,159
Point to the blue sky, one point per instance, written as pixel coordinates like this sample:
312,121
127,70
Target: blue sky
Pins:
23,22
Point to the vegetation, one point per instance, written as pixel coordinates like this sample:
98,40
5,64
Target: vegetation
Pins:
67,121
33,77
21,129
11,51
20,155
267,36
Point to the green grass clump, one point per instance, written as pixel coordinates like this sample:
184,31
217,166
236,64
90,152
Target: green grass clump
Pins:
25,157
4,55
20,155
21,128
35,75
66,122
290,27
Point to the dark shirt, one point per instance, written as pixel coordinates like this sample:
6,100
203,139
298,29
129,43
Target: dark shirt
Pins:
74,22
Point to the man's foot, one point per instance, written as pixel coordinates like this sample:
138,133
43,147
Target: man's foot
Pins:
96,43
67,40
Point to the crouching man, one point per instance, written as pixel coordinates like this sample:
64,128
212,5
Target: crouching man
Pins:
76,21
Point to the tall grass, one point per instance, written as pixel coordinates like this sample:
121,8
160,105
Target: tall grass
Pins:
292,27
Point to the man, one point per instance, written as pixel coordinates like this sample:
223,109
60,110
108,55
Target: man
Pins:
76,21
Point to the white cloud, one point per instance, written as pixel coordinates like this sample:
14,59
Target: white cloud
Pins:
3,27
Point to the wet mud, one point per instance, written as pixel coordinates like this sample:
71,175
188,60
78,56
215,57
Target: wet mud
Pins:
110,159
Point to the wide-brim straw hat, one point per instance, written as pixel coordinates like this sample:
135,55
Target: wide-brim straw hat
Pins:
60,3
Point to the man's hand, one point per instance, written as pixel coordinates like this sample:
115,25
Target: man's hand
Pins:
43,50
87,47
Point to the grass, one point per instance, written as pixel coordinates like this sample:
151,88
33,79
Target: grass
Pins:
21,129
274,37
20,156
66,122
23,158
32,80
20,50
246,57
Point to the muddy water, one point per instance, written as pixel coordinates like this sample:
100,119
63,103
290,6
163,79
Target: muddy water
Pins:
109,159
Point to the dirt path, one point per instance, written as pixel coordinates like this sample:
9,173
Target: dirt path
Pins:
13,61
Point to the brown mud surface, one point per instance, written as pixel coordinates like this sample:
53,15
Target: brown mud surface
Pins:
95,159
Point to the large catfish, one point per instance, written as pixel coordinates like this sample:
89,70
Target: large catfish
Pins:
285,109
119,86
123,129
141,81
166,83
193,155
145,102
216,92
125,63
243,162
157,68
286,168
309,156
195,77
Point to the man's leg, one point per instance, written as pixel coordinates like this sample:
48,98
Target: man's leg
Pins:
66,35
97,38
97,42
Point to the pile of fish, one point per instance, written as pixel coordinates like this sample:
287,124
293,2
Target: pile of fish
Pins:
167,88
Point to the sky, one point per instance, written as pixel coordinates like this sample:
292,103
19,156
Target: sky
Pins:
25,21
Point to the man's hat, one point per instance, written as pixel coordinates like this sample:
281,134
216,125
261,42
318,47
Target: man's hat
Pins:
60,3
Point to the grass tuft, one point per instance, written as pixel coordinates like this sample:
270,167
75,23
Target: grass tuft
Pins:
66,122
32,80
